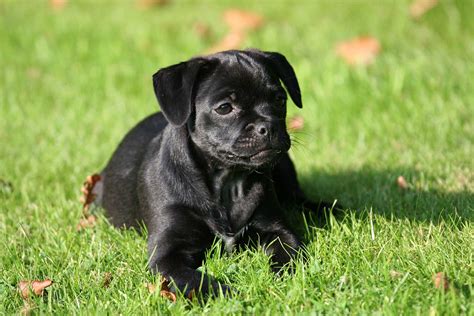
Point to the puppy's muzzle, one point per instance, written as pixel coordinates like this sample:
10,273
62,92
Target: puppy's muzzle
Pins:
261,142
260,129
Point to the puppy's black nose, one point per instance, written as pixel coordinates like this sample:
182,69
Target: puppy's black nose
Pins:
260,128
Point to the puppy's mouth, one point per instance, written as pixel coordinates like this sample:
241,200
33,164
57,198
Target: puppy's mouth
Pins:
261,154
261,157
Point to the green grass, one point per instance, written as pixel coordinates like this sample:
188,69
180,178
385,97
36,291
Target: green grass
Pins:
73,82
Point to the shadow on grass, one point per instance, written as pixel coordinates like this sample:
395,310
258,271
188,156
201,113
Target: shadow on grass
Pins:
365,189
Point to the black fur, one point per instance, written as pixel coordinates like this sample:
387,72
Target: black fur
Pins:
191,174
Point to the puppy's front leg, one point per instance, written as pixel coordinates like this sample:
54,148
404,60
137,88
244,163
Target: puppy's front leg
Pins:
177,245
278,241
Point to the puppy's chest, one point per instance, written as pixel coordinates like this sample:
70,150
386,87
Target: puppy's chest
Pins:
238,195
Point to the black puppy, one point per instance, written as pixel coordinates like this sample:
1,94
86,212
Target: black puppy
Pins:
213,163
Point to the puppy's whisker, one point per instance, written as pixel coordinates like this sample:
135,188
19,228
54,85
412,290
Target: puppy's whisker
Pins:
299,133
298,140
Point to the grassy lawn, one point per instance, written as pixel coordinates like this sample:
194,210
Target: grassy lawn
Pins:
73,81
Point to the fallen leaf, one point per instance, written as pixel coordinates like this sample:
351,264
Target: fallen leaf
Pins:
86,222
239,20
147,4
168,295
359,50
239,23
88,195
296,123
395,274
419,7
441,281
230,41
38,287
57,4
402,183
108,277
202,30
166,292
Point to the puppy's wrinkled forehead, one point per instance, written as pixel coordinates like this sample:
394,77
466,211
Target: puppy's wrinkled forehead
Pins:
238,75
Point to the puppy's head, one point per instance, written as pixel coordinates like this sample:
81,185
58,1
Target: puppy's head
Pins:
232,103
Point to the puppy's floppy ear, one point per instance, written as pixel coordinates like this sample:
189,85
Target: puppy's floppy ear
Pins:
286,73
174,89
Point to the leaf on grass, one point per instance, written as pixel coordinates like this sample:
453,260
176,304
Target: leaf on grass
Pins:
108,277
202,30
239,20
296,123
230,41
395,274
419,7
441,281
165,291
37,287
359,50
239,23
402,183
86,222
57,4
88,195
147,4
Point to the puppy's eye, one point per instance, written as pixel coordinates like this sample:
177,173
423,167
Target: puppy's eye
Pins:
224,108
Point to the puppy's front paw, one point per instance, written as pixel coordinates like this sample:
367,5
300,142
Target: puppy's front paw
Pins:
218,289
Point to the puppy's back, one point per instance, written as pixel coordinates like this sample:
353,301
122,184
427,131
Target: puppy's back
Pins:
119,177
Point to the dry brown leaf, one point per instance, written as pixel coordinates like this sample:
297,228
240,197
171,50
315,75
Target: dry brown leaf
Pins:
168,295
402,183
296,123
147,4
87,191
57,4
86,222
359,50
165,290
202,30
441,281
38,287
395,274
108,277
239,20
239,23
230,41
419,7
